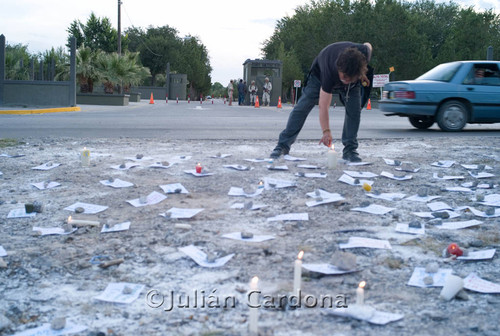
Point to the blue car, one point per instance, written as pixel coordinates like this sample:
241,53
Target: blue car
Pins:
451,94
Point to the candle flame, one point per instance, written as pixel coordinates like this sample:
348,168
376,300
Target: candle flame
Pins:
198,164
261,183
255,280
362,284
301,254
69,219
332,147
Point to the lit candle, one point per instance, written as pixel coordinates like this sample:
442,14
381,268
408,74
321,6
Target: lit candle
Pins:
85,157
331,158
80,222
453,249
198,168
261,184
253,317
297,274
360,293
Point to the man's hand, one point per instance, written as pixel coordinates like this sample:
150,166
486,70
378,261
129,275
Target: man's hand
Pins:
326,139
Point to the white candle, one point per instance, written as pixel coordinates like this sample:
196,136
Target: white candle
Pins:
253,317
297,274
452,285
80,222
85,157
331,158
360,293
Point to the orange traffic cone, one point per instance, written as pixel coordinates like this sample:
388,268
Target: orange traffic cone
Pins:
151,100
279,102
369,106
257,101
166,99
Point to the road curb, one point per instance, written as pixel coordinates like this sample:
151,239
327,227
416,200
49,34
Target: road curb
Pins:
39,111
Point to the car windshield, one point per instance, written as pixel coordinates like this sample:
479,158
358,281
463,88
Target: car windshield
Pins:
442,73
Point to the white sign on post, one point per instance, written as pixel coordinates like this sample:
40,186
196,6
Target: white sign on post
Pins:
380,80
297,83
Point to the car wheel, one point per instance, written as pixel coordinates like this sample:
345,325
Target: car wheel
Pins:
421,122
452,116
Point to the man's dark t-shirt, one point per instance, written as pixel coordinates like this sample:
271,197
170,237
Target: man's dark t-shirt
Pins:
325,64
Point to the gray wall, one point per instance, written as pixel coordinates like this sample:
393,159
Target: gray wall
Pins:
177,88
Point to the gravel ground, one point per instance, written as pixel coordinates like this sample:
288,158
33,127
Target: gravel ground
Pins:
44,277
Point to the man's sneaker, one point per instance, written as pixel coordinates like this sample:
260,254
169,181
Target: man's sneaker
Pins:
277,152
351,157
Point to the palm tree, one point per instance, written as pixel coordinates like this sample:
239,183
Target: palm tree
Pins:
86,71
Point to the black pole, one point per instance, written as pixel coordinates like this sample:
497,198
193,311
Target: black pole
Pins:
119,29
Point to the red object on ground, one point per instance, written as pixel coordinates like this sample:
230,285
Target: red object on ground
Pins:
453,249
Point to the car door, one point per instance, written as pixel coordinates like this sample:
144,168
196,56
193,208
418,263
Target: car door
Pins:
481,87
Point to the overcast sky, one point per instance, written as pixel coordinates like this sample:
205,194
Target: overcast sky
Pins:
232,31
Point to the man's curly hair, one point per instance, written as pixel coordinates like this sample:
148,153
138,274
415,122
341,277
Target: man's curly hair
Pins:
352,63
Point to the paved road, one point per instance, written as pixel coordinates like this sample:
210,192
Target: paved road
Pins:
206,121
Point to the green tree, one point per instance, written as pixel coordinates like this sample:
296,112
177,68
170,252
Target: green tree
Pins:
96,33
17,58
196,64
86,71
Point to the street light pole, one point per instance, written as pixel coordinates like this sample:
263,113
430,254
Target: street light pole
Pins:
119,29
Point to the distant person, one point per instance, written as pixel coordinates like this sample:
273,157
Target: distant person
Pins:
253,92
266,96
241,92
340,67
230,90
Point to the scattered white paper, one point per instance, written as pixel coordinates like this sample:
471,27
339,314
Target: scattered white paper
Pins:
117,183
200,257
480,175
475,166
177,213
366,242
254,239
353,173
238,167
425,199
323,194
293,158
116,228
408,170
88,208
20,213
135,159
357,163
479,255
46,166
258,160
350,180
302,216
387,196
128,165
222,156
443,164
375,209
46,330
171,188
459,189
429,214
242,206
404,228
235,191
3,253
114,292
273,167
11,156
390,162
153,198
331,198
447,177
419,273
194,173
270,183
438,206
306,166
312,175
479,186
326,269
474,283
360,313
180,158
394,177
491,200
47,231
459,225
160,165
45,185
483,214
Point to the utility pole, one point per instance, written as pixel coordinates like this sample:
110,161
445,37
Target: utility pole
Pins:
119,29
